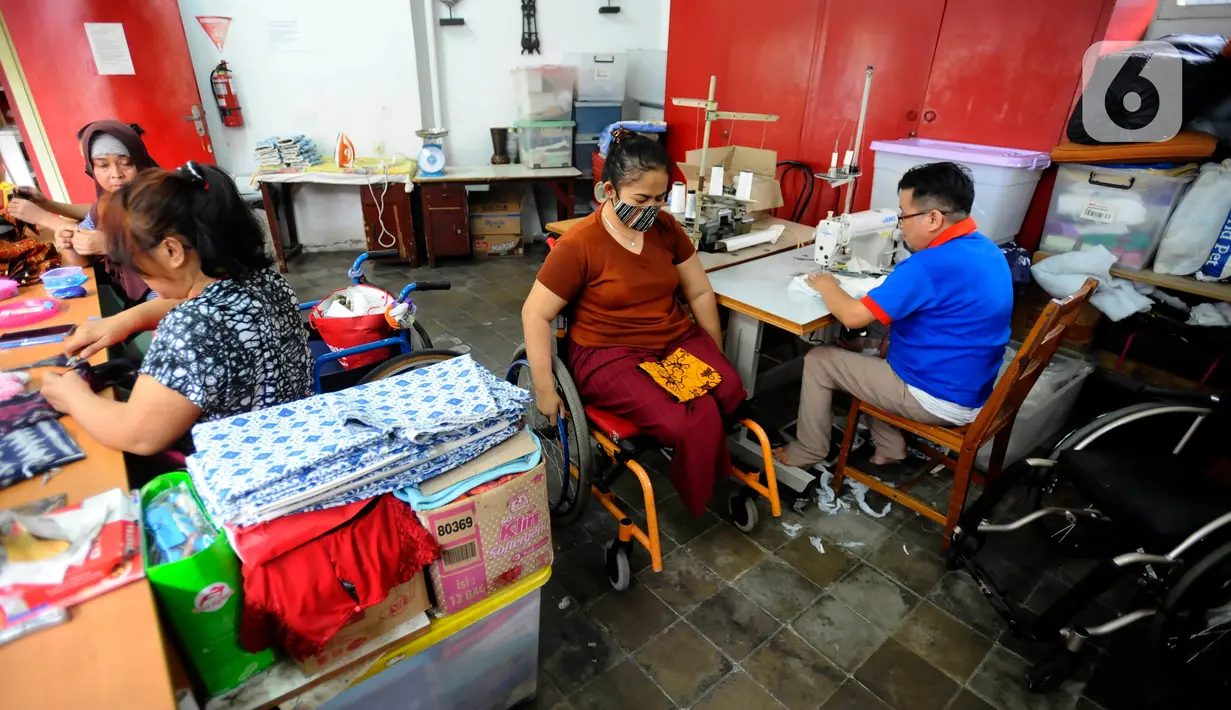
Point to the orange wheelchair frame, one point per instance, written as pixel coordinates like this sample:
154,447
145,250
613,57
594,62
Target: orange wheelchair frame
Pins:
621,442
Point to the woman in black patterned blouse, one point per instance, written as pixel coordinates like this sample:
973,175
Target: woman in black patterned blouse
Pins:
235,344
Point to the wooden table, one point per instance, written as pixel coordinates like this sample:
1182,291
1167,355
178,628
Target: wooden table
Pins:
446,221
110,654
793,235
381,207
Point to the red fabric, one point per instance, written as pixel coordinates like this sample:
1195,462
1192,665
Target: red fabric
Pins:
299,600
609,379
257,544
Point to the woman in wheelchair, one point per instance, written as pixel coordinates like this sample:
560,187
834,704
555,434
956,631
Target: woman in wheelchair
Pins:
619,273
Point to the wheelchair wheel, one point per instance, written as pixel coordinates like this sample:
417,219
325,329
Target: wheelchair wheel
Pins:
742,507
406,362
1192,631
565,447
1148,427
419,339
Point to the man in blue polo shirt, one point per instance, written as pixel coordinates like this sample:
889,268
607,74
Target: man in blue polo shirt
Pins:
948,307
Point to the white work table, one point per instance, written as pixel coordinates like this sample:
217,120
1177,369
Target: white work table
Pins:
496,173
756,292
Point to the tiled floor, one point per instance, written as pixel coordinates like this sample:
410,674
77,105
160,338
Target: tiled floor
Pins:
762,621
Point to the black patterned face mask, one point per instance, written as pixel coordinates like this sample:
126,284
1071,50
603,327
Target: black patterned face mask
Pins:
636,217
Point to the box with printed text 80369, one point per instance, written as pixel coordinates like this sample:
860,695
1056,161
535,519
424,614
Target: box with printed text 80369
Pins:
497,535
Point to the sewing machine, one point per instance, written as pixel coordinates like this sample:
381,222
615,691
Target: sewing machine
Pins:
871,235
721,216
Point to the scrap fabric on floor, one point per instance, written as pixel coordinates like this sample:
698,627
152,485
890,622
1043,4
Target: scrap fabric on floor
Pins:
352,445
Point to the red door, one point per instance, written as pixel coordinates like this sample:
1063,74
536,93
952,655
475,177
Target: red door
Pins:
898,39
68,92
1005,72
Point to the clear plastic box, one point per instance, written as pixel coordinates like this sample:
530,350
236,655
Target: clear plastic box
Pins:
545,144
545,93
600,77
1121,208
1004,178
485,656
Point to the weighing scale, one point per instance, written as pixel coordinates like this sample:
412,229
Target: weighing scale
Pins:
432,156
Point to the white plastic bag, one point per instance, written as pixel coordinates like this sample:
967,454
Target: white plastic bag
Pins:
1197,221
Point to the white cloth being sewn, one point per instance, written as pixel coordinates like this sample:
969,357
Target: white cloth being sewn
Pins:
950,412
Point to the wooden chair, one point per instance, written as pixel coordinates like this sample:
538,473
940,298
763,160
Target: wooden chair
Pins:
995,421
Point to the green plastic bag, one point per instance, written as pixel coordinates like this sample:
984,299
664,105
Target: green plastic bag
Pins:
203,595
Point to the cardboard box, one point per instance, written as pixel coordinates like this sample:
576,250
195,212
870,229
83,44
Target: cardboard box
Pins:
490,540
734,159
496,212
498,245
405,602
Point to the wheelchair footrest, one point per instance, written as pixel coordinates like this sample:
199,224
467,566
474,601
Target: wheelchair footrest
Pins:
1021,620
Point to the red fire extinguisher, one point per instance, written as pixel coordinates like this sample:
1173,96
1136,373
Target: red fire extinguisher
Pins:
224,93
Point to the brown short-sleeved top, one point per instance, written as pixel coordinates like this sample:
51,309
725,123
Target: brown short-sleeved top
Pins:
620,298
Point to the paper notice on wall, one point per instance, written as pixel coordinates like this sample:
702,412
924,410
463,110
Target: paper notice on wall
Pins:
216,27
285,35
110,48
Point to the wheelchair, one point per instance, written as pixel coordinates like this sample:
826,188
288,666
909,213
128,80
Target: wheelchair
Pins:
585,434
413,346
1139,490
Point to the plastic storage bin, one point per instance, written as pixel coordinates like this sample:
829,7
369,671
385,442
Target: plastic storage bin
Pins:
1046,407
600,77
545,93
1004,178
582,159
545,144
1122,208
63,277
594,116
485,656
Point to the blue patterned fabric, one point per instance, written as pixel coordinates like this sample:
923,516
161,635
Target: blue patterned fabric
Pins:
337,448
33,449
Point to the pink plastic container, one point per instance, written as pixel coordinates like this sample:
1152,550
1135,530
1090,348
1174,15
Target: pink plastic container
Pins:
15,314
8,288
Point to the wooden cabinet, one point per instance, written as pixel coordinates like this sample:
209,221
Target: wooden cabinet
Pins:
446,222
387,221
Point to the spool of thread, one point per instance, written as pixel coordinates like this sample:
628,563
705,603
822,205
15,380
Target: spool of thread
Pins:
679,197
833,162
690,205
716,178
743,185
846,160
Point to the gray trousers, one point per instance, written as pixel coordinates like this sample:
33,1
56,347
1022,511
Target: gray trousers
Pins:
827,368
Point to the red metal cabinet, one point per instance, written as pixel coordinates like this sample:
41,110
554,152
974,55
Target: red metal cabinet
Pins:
1005,72
763,57
898,40
1000,73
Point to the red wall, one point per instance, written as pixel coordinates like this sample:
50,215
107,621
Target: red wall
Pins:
984,72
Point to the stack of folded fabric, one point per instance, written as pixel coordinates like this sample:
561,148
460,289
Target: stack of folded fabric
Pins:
303,491
266,153
351,445
298,152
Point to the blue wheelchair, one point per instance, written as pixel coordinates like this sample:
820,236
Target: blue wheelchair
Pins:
412,347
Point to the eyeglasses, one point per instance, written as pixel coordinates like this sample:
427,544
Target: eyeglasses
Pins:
904,217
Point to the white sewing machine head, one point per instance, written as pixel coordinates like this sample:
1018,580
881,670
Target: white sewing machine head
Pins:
871,235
